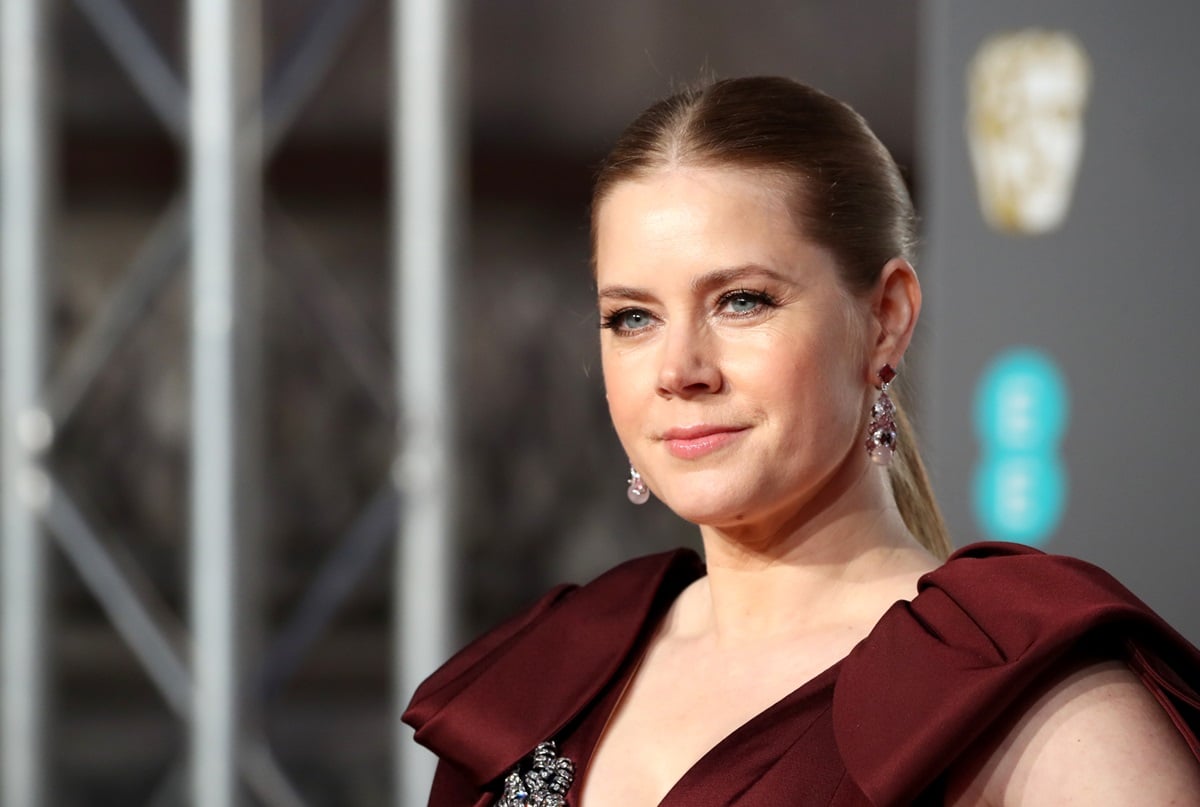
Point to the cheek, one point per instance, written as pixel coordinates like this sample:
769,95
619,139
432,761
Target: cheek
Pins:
620,389
817,381
816,359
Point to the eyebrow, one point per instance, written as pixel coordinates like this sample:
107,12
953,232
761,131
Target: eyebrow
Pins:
708,280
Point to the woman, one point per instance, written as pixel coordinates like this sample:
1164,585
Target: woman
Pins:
752,249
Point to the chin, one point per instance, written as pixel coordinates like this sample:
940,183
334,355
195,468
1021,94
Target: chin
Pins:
706,506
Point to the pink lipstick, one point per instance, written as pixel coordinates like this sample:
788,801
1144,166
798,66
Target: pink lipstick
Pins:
694,442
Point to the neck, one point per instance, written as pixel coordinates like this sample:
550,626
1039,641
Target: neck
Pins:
841,559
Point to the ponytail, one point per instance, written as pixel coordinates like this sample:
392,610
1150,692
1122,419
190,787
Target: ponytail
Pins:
913,493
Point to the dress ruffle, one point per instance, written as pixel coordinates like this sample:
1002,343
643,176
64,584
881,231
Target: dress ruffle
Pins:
985,627
929,679
517,686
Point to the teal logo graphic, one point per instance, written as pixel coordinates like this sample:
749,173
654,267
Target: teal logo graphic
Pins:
1020,485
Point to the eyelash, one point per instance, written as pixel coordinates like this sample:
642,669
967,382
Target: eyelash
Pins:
613,321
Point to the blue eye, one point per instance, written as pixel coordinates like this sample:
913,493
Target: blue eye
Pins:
627,320
745,302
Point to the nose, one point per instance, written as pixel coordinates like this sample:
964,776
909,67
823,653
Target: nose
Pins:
689,364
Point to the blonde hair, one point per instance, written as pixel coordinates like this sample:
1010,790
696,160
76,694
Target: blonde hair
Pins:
913,492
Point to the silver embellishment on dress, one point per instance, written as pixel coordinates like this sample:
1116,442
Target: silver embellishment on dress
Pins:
545,785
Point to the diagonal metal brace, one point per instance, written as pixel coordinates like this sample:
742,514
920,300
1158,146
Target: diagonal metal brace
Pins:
129,602
160,255
320,293
304,65
355,554
143,62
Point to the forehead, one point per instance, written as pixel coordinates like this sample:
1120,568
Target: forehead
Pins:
697,215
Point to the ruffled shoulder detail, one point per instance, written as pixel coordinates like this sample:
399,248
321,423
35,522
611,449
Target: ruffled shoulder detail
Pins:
518,685
935,672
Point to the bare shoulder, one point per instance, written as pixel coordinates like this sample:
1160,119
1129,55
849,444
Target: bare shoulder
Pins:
1092,735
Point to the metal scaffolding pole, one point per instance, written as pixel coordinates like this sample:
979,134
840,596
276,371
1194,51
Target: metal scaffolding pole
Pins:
224,176
25,430
426,227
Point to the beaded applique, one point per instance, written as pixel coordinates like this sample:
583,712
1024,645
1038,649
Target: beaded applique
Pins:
544,785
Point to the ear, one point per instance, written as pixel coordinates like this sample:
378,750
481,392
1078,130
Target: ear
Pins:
895,307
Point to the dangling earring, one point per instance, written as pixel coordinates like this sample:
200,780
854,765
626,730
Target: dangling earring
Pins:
638,493
881,431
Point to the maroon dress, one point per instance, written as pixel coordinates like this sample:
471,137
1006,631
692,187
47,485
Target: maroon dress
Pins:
880,727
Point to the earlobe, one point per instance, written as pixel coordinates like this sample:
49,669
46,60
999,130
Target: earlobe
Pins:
896,306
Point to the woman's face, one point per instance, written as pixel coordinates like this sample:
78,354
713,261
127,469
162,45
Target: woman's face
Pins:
734,360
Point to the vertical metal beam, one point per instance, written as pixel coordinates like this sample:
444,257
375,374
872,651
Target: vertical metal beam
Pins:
24,426
426,227
224,176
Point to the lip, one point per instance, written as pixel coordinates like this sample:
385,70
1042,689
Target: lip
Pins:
694,442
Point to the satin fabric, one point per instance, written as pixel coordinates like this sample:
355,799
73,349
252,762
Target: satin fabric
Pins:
880,727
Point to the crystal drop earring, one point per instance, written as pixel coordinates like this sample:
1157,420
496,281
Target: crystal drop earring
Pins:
638,492
881,432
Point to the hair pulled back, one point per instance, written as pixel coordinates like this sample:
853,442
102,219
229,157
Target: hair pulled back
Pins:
845,193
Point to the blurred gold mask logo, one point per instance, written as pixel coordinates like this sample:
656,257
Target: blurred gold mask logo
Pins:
1027,91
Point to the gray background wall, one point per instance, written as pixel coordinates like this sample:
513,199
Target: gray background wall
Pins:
1111,297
